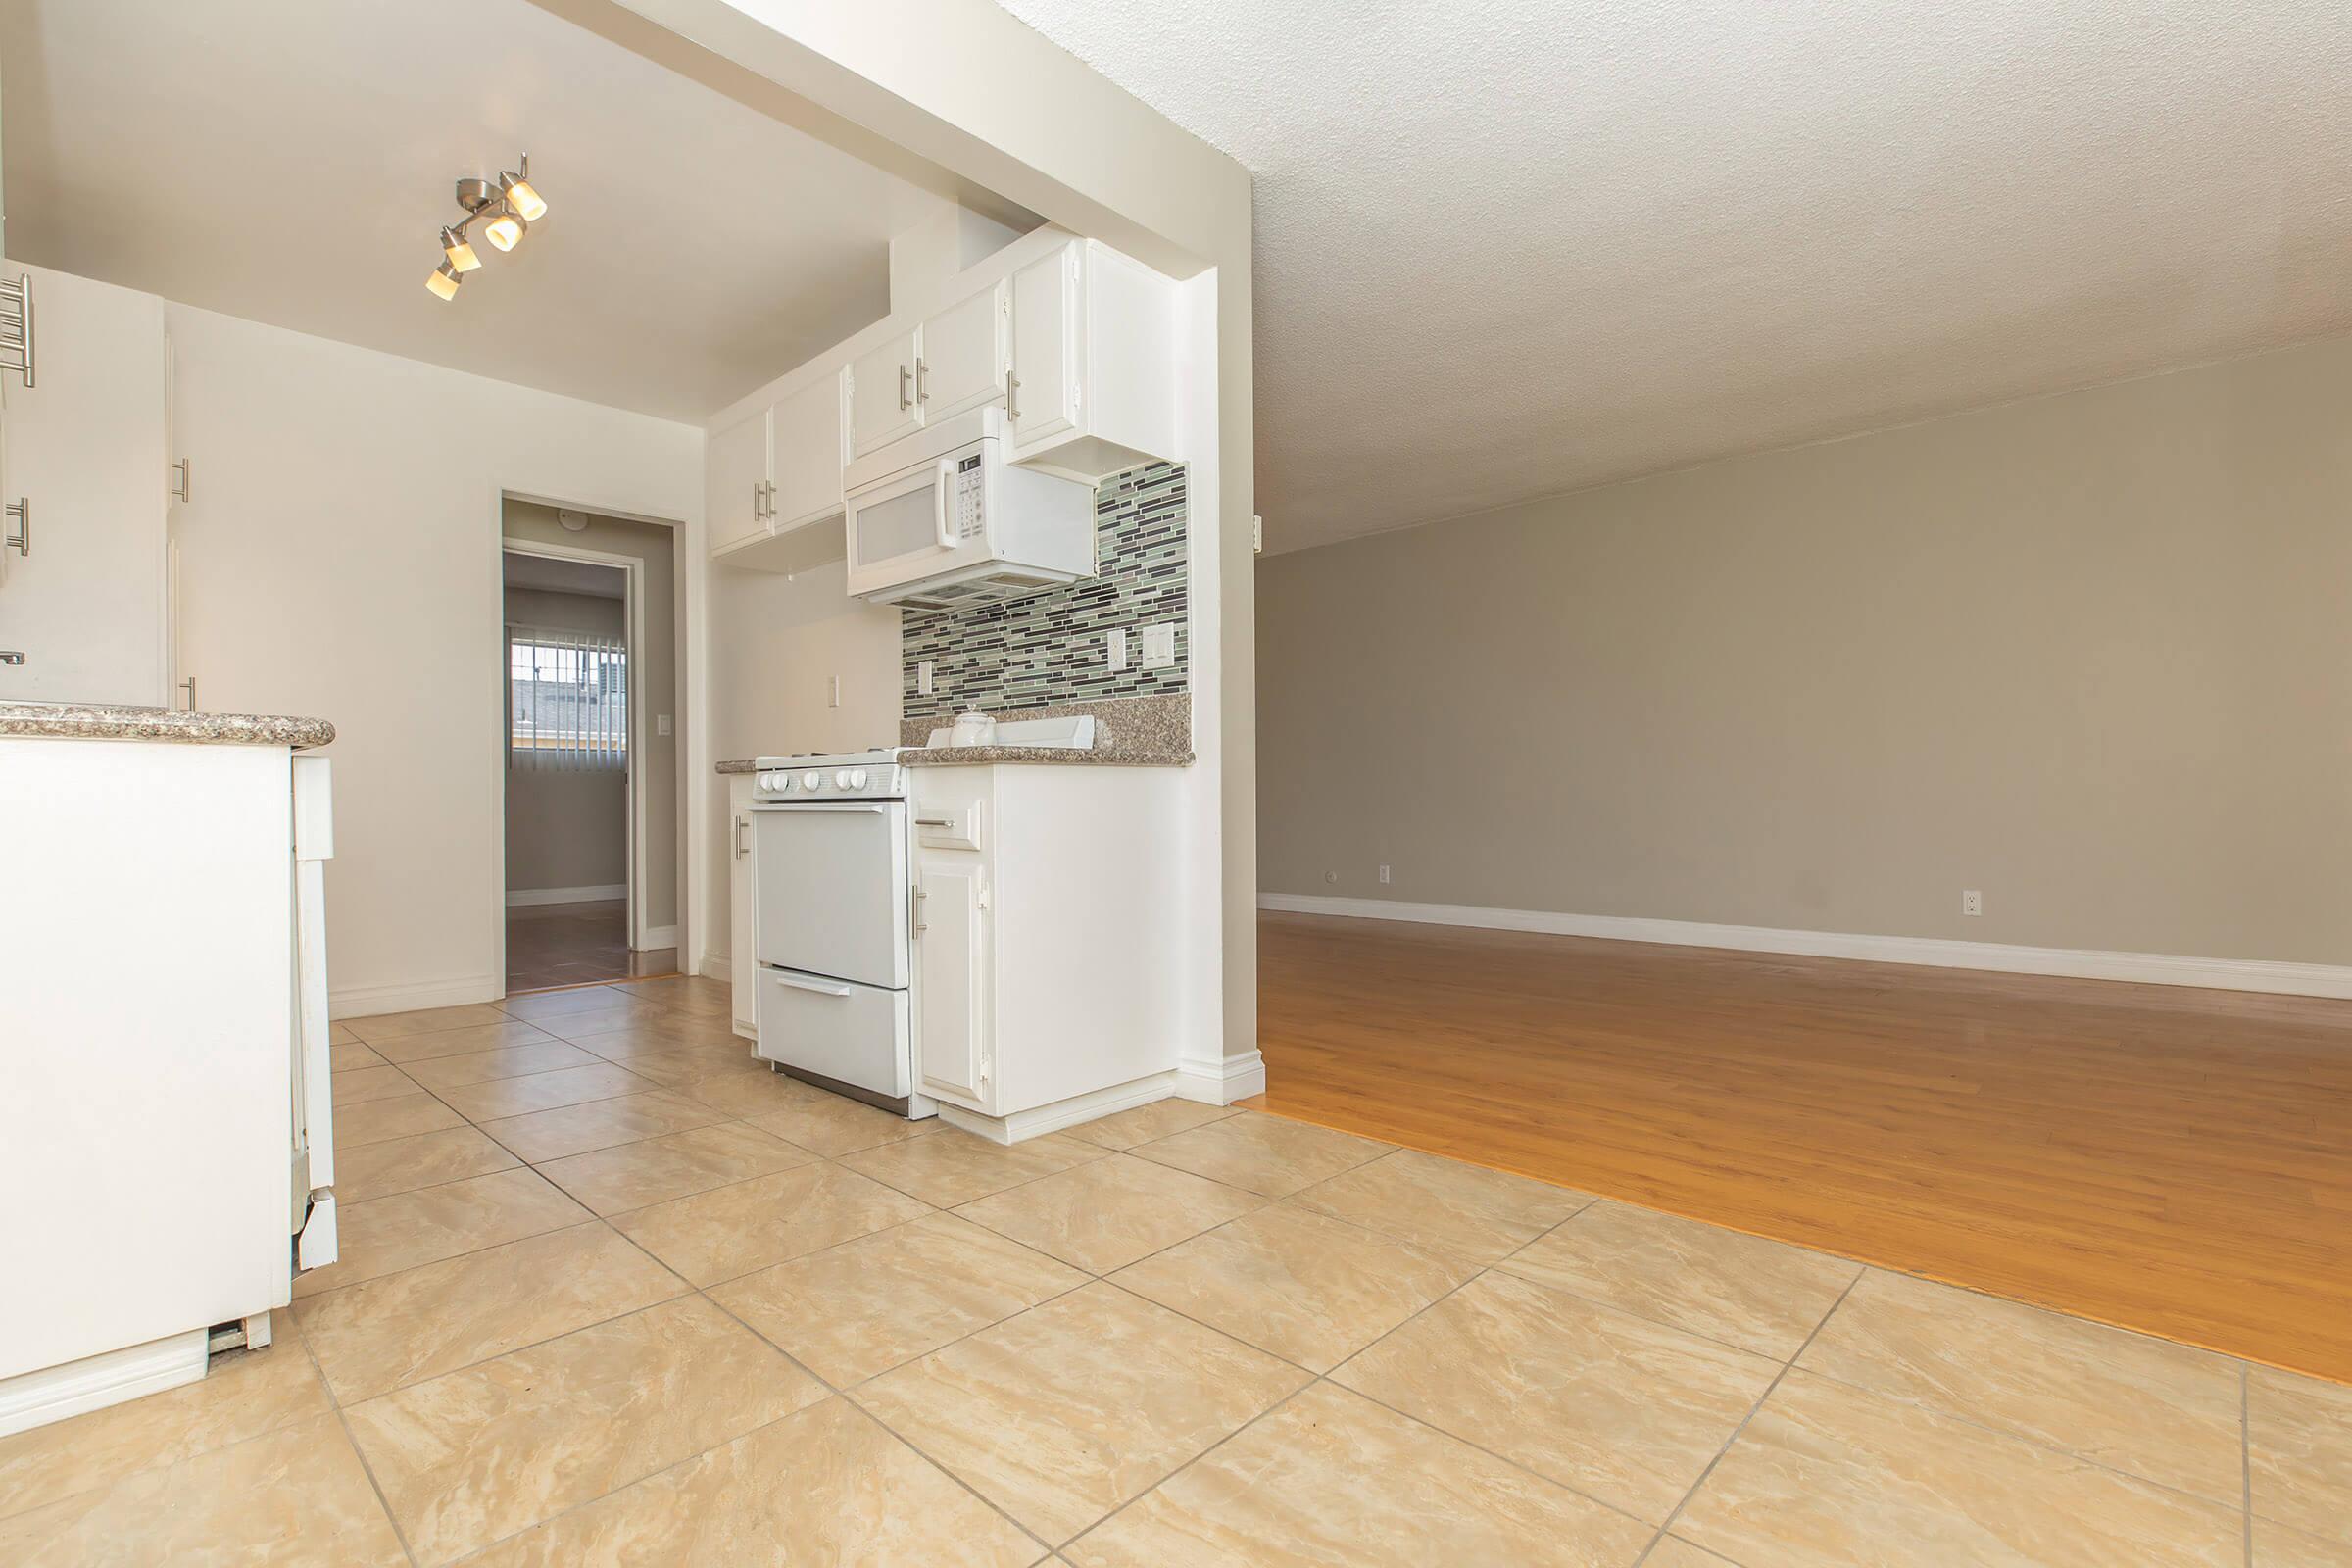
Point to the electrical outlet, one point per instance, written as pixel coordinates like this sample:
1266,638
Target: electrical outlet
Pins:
923,678
833,690
1971,902
1383,875
1160,646
1114,641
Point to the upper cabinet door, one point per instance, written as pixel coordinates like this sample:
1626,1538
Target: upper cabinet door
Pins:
809,453
1046,349
960,356
882,401
735,473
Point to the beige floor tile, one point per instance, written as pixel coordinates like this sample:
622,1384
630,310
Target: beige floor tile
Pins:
740,1091
556,1003
502,1098
955,1167
626,1176
1108,1212
683,993
340,1035
1263,1155
355,1085
1068,1411
548,1135
2299,1451
1621,1408
860,1308
294,1495
1162,1118
477,1454
1761,1295
856,1495
506,1061
1828,1472
620,1015
2277,1547
1446,1204
243,1395
2154,1410
834,1125
1332,1478
407,1230
421,1159
460,1042
425,1021
371,1121
403,1328
1675,1553
640,1030
347,1056
1308,1288
728,1231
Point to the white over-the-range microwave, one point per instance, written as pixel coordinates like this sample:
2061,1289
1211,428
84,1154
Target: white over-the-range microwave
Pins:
959,524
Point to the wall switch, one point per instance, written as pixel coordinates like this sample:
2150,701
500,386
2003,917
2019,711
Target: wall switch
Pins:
1159,644
832,691
1383,875
661,723
1257,534
923,678
1972,902
1114,643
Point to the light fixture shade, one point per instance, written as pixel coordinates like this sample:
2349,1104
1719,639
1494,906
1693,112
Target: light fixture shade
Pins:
522,198
460,253
443,280
506,229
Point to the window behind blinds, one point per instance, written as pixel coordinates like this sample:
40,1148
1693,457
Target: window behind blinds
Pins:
567,700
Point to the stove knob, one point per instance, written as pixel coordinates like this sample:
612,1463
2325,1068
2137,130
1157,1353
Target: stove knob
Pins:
783,784
857,780
812,779
841,780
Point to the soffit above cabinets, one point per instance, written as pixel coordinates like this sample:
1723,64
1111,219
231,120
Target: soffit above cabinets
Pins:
291,162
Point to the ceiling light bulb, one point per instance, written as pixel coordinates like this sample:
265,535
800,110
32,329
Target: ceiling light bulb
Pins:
444,280
505,229
461,254
520,195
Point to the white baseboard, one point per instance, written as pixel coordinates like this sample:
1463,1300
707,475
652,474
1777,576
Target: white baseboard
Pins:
1092,1105
1222,1082
660,936
37,1398
362,1002
717,966
519,898
2080,963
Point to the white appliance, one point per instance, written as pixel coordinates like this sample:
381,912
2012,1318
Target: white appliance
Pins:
834,923
953,522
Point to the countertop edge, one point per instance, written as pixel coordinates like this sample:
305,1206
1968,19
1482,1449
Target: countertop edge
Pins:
110,721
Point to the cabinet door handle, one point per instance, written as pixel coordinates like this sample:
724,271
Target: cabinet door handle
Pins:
905,381
21,541
1012,406
183,488
922,382
915,907
190,686
933,821
741,823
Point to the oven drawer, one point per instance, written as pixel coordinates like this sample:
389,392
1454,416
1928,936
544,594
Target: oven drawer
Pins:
836,1029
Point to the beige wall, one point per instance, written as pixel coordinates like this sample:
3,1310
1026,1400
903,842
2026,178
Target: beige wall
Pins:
566,829
2091,655
657,769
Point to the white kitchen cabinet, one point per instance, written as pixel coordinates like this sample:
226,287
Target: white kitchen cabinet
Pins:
806,440
735,479
960,356
85,468
742,953
951,955
1093,360
882,401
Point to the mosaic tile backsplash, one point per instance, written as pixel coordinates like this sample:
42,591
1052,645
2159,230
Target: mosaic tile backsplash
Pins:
1049,647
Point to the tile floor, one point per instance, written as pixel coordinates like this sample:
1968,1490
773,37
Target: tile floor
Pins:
612,1293
569,944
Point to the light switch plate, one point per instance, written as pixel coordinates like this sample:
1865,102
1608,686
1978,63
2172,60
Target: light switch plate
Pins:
1114,644
923,678
661,723
1160,646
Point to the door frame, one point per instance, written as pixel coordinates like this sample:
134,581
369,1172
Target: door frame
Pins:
633,618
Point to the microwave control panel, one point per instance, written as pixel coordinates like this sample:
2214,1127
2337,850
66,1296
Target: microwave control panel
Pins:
971,515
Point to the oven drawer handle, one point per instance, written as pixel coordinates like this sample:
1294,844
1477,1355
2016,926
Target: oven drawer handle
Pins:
826,805
810,985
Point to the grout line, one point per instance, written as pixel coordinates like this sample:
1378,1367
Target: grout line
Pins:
336,1403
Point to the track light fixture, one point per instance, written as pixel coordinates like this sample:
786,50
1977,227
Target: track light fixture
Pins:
507,207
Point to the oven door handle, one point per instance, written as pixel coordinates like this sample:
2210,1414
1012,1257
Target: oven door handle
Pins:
808,985
827,805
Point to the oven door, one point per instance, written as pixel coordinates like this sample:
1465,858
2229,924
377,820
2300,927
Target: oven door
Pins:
832,889
920,522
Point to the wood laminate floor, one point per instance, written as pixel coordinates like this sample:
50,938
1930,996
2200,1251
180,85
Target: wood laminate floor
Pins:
2170,1160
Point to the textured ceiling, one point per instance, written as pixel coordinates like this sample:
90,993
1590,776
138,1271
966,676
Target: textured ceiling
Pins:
1507,248
291,161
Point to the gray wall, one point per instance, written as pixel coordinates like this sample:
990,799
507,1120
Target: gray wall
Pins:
566,830
2089,653
655,673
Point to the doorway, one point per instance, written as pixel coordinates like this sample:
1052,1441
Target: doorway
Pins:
586,698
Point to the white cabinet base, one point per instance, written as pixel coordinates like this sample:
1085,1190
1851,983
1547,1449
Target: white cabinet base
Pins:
37,1398
1092,1105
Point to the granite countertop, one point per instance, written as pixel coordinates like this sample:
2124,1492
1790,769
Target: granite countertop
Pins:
113,722
1129,732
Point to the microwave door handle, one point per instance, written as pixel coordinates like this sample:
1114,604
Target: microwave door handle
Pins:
942,480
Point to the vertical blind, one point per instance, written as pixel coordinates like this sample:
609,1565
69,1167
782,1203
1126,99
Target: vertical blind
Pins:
567,700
